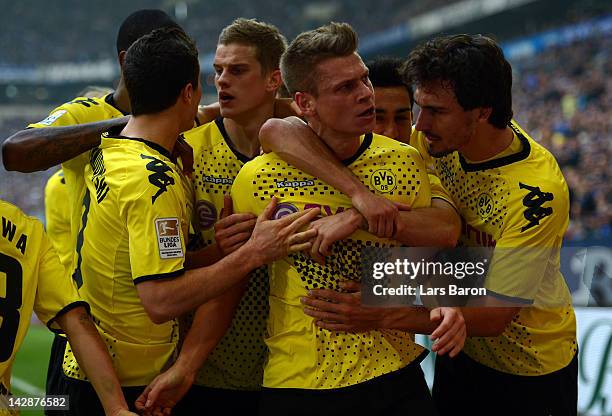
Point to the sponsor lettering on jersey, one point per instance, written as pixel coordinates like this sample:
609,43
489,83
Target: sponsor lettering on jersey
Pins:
533,201
283,210
207,214
159,177
217,180
169,238
294,184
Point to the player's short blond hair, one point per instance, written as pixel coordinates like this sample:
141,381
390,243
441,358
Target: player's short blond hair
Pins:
300,60
269,43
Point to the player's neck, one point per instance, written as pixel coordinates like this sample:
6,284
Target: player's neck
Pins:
244,129
343,145
161,128
488,141
121,98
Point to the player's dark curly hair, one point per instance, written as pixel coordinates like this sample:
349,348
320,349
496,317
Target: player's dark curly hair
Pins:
157,67
473,66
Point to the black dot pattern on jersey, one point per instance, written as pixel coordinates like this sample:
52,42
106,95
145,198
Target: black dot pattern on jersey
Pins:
514,350
238,360
345,358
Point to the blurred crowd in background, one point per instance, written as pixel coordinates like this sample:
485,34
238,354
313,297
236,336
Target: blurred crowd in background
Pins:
562,97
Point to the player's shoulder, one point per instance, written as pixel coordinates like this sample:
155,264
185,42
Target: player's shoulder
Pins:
14,218
537,166
206,135
390,145
80,110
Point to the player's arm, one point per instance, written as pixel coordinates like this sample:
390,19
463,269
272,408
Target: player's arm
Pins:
172,296
295,142
435,226
92,356
210,323
337,311
56,292
38,149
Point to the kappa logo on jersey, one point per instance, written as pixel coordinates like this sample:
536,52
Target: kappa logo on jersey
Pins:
383,180
52,117
446,171
217,181
207,214
534,200
87,102
284,209
485,205
294,184
158,178
169,238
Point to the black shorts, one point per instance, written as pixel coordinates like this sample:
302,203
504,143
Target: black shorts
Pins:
403,392
54,370
200,400
463,386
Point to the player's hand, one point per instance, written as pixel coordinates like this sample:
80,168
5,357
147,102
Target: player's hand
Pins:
232,230
208,113
331,229
379,213
274,239
337,311
183,150
165,391
450,334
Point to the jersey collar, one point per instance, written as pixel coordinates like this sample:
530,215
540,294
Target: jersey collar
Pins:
367,141
114,134
228,141
502,161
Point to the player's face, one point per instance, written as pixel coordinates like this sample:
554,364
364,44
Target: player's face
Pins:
446,125
393,113
345,97
241,85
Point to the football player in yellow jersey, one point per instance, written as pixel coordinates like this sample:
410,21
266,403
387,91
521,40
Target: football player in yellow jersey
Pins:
34,279
247,71
58,139
521,358
310,369
133,236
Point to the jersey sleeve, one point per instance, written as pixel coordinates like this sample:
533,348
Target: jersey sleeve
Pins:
155,227
529,248
57,215
56,293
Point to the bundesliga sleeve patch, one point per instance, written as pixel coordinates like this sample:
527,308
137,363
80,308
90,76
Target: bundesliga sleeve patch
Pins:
51,118
169,238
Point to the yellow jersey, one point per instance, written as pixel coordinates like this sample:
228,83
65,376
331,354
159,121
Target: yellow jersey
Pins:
238,359
302,355
57,216
31,278
78,111
517,200
134,227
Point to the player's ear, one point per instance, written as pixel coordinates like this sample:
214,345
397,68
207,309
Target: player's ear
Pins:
305,102
484,113
275,80
121,58
188,92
